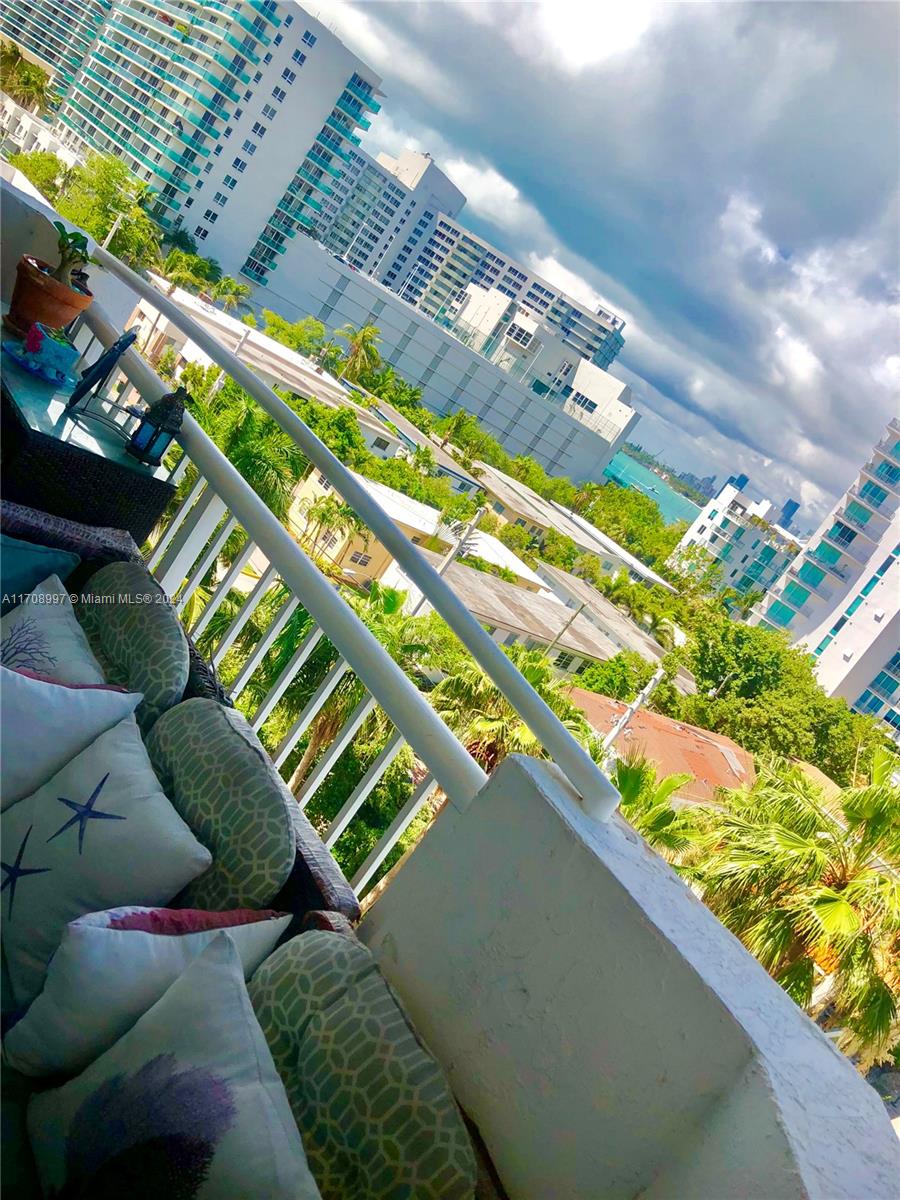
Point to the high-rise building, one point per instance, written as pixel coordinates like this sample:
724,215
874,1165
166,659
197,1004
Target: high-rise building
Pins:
237,114
740,536
378,198
840,598
54,33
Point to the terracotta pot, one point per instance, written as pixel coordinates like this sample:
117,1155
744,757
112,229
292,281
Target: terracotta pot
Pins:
37,296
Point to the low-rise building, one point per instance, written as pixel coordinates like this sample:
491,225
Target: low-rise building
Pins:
740,536
513,615
712,760
362,558
624,632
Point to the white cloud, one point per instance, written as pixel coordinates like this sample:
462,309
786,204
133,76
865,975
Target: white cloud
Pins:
493,198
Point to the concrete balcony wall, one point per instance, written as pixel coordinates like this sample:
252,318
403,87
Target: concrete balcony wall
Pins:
608,1036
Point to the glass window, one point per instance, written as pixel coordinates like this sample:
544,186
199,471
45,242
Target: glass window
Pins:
829,554
888,471
868,702
563,660
309,39
795,594
811,574
857,512
853,606
873,493
298,57
780,613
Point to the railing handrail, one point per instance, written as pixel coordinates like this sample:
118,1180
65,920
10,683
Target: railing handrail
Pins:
447,759
599,797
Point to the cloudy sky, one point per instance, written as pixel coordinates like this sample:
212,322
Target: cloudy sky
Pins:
724,175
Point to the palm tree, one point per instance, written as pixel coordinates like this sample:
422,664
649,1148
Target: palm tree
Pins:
326,515
423,460
660,627
647,804
230,293
811,887
484,720
619,590
382,610
362,351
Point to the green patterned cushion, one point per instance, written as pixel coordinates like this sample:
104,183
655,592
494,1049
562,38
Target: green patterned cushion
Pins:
213,768
373,1107
137,637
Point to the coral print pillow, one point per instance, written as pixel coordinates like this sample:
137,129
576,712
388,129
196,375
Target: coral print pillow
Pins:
43,635
99,833
188,1104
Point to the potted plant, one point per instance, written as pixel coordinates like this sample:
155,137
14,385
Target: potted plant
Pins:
47,295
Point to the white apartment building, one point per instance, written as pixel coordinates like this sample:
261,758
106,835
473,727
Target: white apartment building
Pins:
311,281
739,535
376,199
238,116
840,599
23,132
56,34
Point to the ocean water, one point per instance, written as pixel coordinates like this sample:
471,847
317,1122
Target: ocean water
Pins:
674,507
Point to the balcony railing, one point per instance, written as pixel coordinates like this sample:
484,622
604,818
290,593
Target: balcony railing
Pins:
193,533
527,938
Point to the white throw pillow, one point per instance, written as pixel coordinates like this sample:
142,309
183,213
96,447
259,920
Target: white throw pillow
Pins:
102,979
43,635
43,724
189,1094
100,833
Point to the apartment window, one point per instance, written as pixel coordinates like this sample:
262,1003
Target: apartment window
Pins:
258,130
248,94
381,443
217,151
257,77
564,661
189,202
239,165
288,20
279,94
267,59
210,216
221,199
288,75
279,38
268,111
329,540
207,168
229,181
309,39
298,57
323,482
360,558
249,147
201,233
238,113
228,132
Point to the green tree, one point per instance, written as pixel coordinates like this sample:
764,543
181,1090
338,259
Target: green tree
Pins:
620,677
327,516
487,724
518,539
558,550
362,351
810,886
102,192
230,293
647,805
305,337
24,81
178,238
44,169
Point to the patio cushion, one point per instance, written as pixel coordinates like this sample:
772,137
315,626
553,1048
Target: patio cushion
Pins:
186,1104
373,1107
221,781
24,564
43,635
137,636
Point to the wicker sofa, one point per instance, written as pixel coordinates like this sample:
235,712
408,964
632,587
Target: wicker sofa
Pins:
145,648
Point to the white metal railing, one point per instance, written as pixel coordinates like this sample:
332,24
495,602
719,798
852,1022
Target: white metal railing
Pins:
598,795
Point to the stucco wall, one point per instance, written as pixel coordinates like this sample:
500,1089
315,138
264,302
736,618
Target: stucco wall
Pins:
607,1035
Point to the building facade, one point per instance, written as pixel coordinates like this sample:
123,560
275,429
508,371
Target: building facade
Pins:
237,115
840,599
451,375
376,199
740,537
57,34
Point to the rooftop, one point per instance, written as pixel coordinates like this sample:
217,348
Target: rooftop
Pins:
713,760
539,616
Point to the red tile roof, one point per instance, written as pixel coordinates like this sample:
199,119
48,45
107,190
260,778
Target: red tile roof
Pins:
714,761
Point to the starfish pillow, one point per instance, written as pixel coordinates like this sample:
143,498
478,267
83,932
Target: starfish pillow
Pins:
99,834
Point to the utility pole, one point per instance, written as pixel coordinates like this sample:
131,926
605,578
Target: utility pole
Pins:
564,629
625,720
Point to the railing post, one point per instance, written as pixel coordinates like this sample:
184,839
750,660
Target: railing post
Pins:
363,789
393,833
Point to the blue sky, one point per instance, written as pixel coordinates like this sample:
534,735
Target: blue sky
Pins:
725,176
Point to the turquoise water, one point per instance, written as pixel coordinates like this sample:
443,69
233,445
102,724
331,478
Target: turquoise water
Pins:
673,506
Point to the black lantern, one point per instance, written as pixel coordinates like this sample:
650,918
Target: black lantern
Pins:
159,424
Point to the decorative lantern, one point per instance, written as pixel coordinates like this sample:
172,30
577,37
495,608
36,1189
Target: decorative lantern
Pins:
158,425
